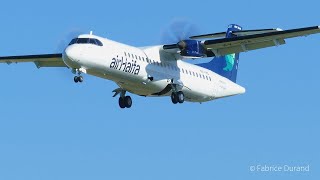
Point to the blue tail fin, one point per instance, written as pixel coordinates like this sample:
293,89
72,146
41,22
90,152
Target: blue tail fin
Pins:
226,66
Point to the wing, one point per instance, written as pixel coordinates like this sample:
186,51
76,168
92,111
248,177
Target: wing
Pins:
245,40
43,60
256,41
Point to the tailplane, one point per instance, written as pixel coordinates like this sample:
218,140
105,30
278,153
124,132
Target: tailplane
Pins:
226,66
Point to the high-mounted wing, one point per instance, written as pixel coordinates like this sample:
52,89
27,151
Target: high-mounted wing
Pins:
257,41
241,41
43,60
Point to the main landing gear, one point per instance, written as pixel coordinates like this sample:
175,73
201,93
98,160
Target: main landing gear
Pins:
125,102
177,97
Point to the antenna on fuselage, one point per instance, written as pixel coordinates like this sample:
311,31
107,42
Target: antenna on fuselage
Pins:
90,32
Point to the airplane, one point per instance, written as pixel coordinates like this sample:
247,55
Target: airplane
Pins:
162,70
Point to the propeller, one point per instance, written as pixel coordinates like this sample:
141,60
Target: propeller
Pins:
63,43
178,30
61,46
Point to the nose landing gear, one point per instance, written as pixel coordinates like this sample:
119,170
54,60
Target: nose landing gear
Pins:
78,78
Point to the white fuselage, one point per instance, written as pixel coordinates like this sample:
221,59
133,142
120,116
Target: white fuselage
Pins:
130,68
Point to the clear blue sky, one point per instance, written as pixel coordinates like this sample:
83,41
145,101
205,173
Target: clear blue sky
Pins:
52,128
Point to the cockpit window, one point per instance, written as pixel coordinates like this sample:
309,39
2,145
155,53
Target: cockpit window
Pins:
86,41
73,41
99,43
82,41
92,41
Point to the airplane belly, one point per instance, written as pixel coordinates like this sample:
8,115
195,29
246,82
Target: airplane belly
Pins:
145,88
137,84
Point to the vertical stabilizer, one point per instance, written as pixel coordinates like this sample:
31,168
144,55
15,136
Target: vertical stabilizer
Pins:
226,66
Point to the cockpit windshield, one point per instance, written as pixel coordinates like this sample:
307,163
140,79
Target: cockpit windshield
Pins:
86,41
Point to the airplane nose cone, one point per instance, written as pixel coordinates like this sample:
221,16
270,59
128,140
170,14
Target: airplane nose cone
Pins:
71,57
71,53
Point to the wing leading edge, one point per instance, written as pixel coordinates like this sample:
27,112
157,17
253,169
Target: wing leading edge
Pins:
42,60
236,33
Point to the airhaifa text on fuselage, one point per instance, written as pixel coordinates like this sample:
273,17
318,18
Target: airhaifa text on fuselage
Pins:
125,65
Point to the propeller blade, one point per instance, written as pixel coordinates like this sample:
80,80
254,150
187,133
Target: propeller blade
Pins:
178,30
63,43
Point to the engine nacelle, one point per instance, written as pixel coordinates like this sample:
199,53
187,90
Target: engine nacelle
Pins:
191,48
